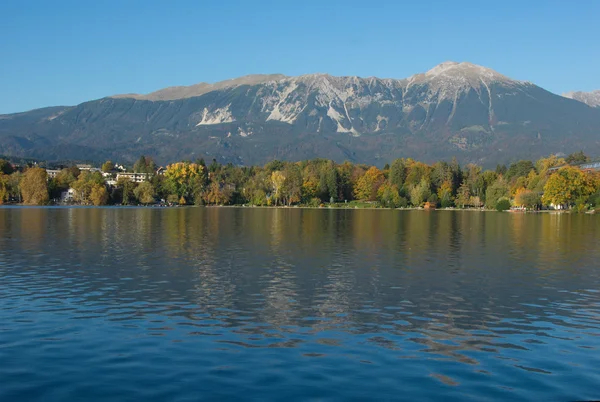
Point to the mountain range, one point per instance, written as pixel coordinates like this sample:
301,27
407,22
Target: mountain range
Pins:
457,110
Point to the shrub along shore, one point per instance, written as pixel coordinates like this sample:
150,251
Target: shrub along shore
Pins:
549,182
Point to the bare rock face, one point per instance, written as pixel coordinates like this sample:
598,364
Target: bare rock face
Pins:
589,98
457,110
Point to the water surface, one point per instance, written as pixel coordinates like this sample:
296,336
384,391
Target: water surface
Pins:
190,304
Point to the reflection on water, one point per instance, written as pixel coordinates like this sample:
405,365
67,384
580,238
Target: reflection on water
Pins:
213,303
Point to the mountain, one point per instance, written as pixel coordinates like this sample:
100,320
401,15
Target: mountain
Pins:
589,98
182,92
453,110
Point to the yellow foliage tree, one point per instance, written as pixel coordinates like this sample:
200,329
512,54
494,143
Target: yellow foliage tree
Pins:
310,185
569,185
3,188
99,195
367,185
445,194
183,178
277,181
34,186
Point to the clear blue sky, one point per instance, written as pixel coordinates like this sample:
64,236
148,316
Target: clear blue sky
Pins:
66,52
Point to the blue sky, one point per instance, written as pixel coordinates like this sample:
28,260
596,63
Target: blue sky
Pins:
66,52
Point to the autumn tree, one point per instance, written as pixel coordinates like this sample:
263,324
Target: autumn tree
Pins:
526,198
218,194
4,189
277,181
98,195
366,187
416,172
184,179
34,186
543,165
85,184
108,167
445,194
310,183
568,186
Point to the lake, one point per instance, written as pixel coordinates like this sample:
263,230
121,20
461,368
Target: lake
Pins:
186,304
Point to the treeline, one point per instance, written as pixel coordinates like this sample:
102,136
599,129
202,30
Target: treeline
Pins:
404,183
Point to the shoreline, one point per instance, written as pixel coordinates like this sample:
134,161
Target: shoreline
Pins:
59,206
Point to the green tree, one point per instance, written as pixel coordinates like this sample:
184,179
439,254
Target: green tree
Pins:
577,158
14,186
397,173
5,167
420,193
503,204
125,188
527,199
292,185
519,169
495,191
388,196
144,192
145,165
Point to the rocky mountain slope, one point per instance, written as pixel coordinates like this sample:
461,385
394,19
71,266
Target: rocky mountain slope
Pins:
589,98
453,110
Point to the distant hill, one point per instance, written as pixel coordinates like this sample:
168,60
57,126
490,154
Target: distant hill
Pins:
453,110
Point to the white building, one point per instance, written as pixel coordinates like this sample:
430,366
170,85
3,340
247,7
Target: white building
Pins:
52,173
134,177
67,196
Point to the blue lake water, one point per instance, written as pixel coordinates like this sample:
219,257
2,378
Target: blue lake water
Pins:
188,304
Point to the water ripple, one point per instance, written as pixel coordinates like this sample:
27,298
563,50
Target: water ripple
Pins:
223,303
